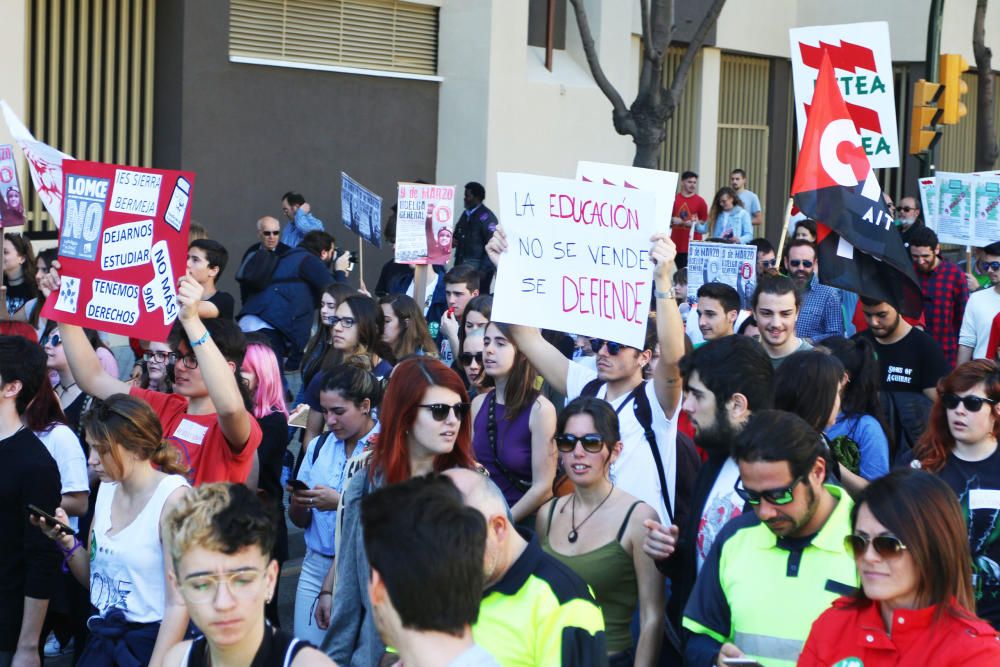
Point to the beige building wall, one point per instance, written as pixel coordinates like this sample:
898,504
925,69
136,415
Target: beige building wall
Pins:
13,86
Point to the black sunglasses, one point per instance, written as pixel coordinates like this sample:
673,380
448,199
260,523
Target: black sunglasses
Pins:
781,496
592,442
439,411
613,348
885,546
468,357
971,403
796,263
769,263
270,233
51,338
989,266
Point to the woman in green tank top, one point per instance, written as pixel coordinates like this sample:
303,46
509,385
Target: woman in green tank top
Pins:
598,530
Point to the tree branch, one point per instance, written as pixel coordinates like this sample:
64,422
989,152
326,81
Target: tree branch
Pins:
620,114
671,96
987,148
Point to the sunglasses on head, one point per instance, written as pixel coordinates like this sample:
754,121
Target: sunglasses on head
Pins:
613,348
971,403
796,263
52,338
468,357
781,496
885,546
989,266
439,411
592,442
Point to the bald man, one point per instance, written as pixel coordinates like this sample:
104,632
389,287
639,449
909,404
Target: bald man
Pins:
524,584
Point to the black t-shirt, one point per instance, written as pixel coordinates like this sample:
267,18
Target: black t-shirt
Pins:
18,295
225,303
913,363
977,485
29,561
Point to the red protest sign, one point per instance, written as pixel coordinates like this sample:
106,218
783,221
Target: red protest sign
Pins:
122,247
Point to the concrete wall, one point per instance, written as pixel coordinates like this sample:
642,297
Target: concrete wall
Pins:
253,132
13,73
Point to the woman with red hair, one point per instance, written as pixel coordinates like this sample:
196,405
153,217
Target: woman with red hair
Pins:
425,428
960,446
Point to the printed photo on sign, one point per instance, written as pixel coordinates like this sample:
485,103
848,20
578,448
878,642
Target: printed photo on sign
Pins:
83,217
577,257
11,200
425,218
862,63
361,210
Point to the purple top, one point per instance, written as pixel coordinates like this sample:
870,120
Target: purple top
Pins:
513,444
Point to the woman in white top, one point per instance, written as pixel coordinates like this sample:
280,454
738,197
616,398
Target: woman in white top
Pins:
126,560
348,396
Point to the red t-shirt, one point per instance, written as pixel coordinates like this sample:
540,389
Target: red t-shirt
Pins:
994,344
686,208
200,440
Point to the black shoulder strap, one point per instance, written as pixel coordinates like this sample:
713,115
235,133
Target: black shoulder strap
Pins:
319,446
628,515
591,388
552,513
644,415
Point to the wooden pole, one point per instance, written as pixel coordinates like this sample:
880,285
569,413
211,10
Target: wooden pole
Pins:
361,260
420,272
784,230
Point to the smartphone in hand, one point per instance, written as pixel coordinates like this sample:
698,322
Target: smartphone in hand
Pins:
38,512
298,485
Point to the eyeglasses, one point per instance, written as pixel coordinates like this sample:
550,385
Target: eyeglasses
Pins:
190,361
270,233
439,411
781,496
592,442
989,266
769,263
159,357
613,348
346,322
468,357
796,263
885,546
906,209
52,338
971,403
242,584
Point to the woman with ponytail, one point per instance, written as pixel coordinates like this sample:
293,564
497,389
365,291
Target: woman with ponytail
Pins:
142,479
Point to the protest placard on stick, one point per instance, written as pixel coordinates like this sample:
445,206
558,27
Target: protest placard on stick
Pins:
425,218
734,265
663,184
361,210
44,164
11,199
122,247
577,257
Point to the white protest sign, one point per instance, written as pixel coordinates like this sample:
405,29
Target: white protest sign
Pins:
953,222
928,200
126,245
161,292
663,184
114,302
135,192
734,265
859,53
577,257
986,209
425,216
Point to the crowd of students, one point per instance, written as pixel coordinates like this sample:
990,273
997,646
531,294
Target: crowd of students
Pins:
475,492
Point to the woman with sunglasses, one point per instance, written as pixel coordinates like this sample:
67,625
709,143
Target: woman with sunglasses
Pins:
356,329
513,425
470,364
474,318
598,531
404,328
128,548
425,428
916,598
960,446
223,538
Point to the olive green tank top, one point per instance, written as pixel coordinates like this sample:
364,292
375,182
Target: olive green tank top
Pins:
610,572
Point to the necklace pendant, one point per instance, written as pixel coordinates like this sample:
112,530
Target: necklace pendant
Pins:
572,536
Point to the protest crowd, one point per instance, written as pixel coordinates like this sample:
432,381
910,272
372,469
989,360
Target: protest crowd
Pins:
760,461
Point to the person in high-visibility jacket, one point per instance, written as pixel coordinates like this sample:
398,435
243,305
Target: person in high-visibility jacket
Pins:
773,571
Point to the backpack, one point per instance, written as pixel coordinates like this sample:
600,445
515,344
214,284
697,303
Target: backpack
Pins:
688,460
256,270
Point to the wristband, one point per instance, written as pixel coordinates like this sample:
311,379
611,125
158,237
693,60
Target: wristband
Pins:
69,554
200,341
669,294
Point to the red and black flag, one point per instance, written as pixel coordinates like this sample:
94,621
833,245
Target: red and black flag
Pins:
859,250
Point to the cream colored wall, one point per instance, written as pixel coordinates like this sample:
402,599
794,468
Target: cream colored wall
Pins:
13,86
535,121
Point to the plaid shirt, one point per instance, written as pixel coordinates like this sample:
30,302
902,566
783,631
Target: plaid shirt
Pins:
945,293
820,316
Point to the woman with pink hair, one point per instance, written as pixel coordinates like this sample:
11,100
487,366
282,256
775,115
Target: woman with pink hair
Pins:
263,378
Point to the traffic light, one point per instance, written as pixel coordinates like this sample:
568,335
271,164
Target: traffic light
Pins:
925,116
951,66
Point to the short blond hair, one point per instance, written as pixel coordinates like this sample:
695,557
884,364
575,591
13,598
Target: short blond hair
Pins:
220,517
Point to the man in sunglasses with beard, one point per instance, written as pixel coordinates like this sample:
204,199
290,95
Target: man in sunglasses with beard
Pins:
771,572
820,315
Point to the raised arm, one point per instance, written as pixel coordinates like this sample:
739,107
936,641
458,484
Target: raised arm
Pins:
669,326
219,376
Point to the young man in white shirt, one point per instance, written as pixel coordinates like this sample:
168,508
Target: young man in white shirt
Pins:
981,309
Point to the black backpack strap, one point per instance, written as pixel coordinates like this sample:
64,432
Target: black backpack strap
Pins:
591,388
644,415
319,446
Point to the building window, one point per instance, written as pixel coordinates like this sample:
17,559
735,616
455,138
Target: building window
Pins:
538,13
380,35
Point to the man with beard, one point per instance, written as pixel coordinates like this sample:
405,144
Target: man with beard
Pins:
725,381
773,571
908,221
775,306
820,316
945,291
